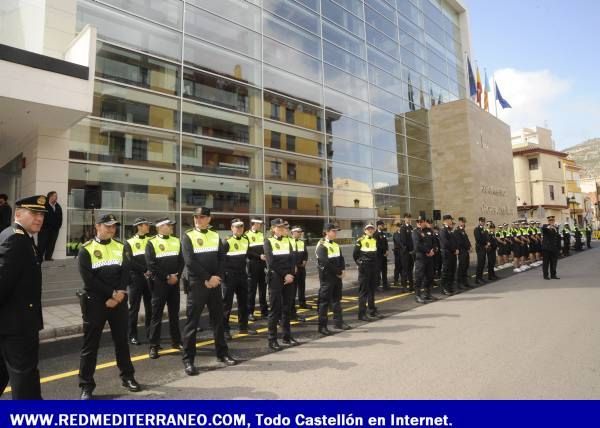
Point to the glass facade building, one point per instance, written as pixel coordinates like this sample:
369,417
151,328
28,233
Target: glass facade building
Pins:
313,110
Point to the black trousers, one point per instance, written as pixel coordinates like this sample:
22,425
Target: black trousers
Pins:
256,275
46,243
139,290
199,296
566,247
382,279
481,253
578,243
462,272
588,240
550,260
367,283
397,265
281,299
94,319
236,283
330,293
448,270
407,267
164,294
19,365
423,275
491,262
300,279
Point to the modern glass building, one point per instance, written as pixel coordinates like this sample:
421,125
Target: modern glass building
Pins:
313,110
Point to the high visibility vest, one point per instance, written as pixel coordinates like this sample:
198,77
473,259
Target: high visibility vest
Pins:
280,248
138,245
333,249
102,255
237,247
298,245
367,244
165,247
207,242
255,239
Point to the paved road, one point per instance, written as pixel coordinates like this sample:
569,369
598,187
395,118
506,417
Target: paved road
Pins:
521,337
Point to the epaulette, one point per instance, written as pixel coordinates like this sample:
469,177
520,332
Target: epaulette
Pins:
152,237
85,244
189,230
117,241
18,231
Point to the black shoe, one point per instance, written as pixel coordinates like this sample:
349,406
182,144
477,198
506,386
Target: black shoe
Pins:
190,369
495,277
178,346
547,278
446,292
274,345
227,335
305,306
554,277
325,331
365,318
419,299
153,353
430,299
467,286
376,315
248,331
131,384
251,317
342,326
134,341
290,341
86,393
479,281
227,360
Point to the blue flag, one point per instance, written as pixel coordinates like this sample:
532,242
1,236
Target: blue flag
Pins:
501,99
472,84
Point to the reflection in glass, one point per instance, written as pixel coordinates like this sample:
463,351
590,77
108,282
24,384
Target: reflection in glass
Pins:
225,195
348,151
342,126
240,11
282,166
300,200
288,84
342,18
416,131
297,140
294,13
278,29
391,207
290,59
344,82
346,177
420,188
417,149
394,184
343,39
167,12
387,140
419,168
343,104
289,110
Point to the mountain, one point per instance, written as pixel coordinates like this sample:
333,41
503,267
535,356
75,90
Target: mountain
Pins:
587,156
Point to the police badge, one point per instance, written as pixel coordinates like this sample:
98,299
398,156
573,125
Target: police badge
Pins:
200,241
98,254
138,245
162,247
366,244
277,246
236,246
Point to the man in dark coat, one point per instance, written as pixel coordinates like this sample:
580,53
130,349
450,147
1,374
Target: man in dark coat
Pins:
550,248
21,301
52,224
5,212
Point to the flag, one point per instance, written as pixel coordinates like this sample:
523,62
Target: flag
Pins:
472,85
432,97
501,99
479,90
411,95
486,89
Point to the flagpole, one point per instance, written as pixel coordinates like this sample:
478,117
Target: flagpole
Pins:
495,96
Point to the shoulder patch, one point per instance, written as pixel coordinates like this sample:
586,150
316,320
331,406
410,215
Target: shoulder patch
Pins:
85,244
189,230
19,232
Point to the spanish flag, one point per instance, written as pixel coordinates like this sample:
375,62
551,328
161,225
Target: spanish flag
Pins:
486,89
479,88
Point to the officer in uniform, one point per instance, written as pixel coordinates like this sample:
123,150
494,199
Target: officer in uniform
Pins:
331,271
382,252
280,279
566,236
550,248
203,253
481,246
256,269
437,258
135,253
236,281
397,254
424,253
578,236
365,256
449,253
491,252
406,253
300,272
464,247
165,263
105,273
588,235
21,301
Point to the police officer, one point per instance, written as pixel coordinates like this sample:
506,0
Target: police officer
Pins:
300,271
236,280
21,301
382,252
256,269
449,253
331,271
578,236
105,273
491,251
481,247
365,256
588,235
566,236
437,258
406,253
464,247
397,254
424,253
281,262
550,248
203,253
165,263
138,289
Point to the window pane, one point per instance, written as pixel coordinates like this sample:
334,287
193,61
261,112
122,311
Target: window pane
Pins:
239,11
278,136
284,109
385,119
417,149
386,81
384,62
97,141
287,58
127,30
346,105
387,161
220,61
294,13
136,69
348,151
342,126
287,167
342,18
224,33
166,12
344,82
124,188
346,204
419,168
299,200
343,39
356,7
345,176
421,188
382,24
211,122
289,84
391,206
344,60
384,182
280,30
225,195
312,4
416,131
387,140
418,205
135,106
388,101
221,92
382,42
215,157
